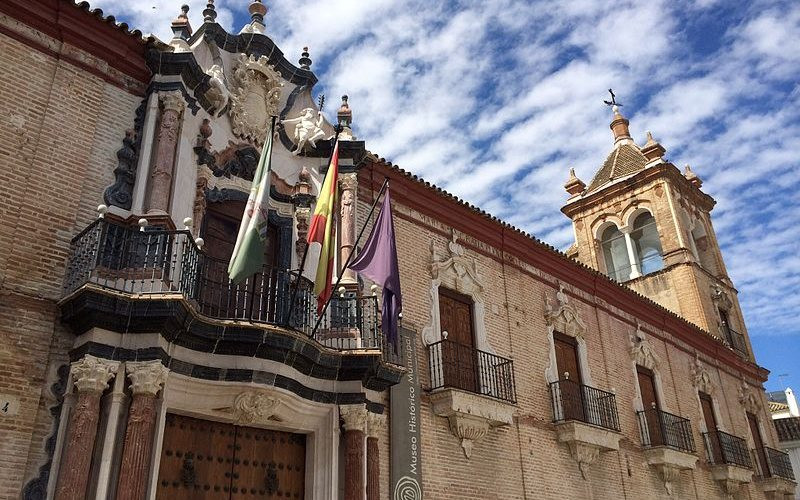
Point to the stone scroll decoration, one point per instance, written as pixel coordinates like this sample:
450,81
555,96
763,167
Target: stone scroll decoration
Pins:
120,194
748,398
255,97
564,317
701,378
253,407
642,351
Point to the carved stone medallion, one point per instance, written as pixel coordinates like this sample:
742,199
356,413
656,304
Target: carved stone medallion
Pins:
255,97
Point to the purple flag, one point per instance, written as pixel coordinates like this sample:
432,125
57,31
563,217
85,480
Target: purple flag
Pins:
378,262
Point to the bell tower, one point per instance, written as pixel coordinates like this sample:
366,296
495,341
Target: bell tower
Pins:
646,224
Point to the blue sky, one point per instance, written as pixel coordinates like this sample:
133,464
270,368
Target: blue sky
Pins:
494,101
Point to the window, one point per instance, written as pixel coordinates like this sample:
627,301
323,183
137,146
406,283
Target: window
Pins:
758,443
647,244
615,252
713,445
459,363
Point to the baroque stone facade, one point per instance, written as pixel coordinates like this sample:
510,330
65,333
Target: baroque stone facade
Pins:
154,334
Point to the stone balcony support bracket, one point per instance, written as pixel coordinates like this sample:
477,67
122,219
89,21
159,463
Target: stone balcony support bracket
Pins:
586,441
731,477
470,415
669,462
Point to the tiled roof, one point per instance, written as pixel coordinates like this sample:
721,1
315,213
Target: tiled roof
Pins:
112,21
624,160
775,407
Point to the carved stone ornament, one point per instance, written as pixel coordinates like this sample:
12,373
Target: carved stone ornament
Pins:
92,374
586,442
748,399
218,95
585,455
354,417
642,351
720,297
255,97
147,377
470,416
453,269
251,407
307,129
562,316
701,378
669,463
376,424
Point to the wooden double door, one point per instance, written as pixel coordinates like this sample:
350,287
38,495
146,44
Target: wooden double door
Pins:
205,460
459,357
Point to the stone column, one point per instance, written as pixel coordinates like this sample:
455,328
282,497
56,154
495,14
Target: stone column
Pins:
635,272
91,376
348,184
354,422
376,424
147,378
172,105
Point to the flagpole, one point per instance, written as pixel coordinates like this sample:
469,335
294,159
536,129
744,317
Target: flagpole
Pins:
352,252
337,128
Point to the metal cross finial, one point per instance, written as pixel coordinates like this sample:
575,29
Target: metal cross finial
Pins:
613,101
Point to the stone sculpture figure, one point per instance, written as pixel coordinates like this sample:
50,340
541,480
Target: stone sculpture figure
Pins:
219,94
307,130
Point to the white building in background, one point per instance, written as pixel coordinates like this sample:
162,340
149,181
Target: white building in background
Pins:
786,417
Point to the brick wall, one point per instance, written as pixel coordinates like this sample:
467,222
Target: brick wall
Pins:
59,133
524,460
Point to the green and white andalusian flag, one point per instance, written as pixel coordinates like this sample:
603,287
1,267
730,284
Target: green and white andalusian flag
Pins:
248,253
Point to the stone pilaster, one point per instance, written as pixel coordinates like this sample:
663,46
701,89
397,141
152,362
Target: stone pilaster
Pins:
147,378
90,376
172,105
376,425
354,422
348,184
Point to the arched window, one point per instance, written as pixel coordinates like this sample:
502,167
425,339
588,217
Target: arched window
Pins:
618,267
647,244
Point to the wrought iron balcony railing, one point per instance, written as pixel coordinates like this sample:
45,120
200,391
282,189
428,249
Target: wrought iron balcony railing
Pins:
773,463
574,401
463,367
724,448
788,428
660,428
735,340
160,262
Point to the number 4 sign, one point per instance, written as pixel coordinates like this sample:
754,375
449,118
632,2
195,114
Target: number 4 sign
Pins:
9,405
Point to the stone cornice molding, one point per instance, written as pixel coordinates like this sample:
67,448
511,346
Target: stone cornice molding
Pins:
354,417
147,377
172,101
91,374
376,424
251,407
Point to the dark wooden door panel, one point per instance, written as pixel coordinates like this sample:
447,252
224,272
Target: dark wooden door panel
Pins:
268,464
647,389
711,425
196,459
569,372
459,362
759,444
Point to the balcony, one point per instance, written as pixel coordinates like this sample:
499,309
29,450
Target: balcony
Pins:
729,458
586,420
788,428
660,428
774,472
114,271
473,389
735,340
669,444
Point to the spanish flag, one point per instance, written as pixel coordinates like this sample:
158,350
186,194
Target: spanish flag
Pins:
322,233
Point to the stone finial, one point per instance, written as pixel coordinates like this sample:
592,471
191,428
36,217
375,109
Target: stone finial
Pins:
209,13
91,374
344,114
692,177
257,11
652,149
102,210
180,26
574,186
147,377
619,125
305,59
